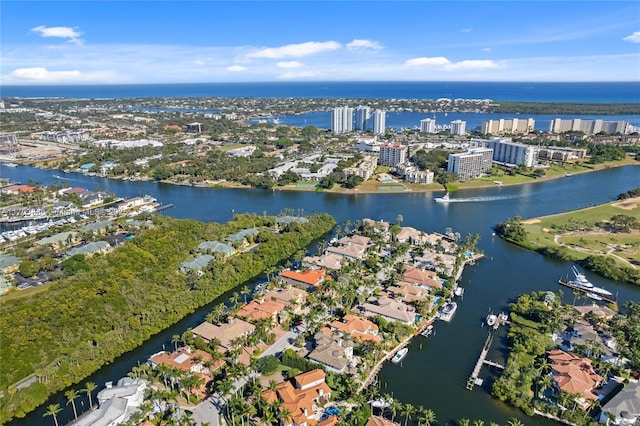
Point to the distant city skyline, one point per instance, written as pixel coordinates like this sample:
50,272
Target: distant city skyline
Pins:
114,42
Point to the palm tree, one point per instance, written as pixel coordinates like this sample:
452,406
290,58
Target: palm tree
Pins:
285,415
72,395
53,410
429,417
514,422
464,422
478,423
407,412
88,388
395,406
245,291
175,339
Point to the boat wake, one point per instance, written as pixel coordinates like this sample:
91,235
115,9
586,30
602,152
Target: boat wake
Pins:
481,199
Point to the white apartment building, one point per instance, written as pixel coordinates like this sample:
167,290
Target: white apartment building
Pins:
470,164
589,127
510,126
507,152
362,116
412,174
379,122
428,125
341,120
364,168
458,127
392,154
368,145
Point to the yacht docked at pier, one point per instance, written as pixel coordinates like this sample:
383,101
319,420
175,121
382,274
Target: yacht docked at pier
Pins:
581,282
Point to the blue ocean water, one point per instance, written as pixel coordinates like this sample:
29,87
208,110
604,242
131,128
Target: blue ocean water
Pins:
508,91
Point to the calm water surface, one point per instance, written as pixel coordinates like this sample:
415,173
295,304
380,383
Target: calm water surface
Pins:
435,371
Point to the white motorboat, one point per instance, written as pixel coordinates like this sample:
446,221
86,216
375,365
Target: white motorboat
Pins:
427,331
443,199
581,282
491,320
399,356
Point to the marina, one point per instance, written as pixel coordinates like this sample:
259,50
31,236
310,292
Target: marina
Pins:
474,379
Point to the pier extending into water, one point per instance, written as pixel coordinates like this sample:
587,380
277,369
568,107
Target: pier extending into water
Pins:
474,379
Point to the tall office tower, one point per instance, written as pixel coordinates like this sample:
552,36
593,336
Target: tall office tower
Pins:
379,122
341,120
458,127
428,125
362,115
470,164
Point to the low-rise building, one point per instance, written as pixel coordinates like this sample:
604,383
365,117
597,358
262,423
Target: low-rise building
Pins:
390,309
115,403
90,249
310,279
624,408
225,333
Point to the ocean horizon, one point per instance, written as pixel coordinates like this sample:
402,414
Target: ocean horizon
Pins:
592,92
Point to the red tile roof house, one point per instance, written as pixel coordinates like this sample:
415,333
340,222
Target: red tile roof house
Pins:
575,375
418,276
188,360
260,309
308,280
301,396
359,328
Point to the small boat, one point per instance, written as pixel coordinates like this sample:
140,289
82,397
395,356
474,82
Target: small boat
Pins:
399,356
10,164
459,291
427,331
443,199
593,296
382,403
491,320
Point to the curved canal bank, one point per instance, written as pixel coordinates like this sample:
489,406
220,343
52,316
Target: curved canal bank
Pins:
435,371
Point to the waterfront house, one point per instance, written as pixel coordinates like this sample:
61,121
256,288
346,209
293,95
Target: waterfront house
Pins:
327,261
439,262
421,277
624,408
260,309
575,375
285,220
390,309
292,297
357,327
597,310
300,397
408,292
19,189
350,251
115,403
411,235
333,352
98,227
310,279
240,237
225,333
380,421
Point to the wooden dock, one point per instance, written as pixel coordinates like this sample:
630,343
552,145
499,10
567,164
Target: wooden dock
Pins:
474,379
586,291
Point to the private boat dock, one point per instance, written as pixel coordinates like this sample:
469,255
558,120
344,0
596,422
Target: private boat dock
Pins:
474,379
566,283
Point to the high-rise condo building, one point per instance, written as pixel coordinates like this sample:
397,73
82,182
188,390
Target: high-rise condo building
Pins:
511,126
458,127
379,122
341,120
428,125
590,127
470,164
362,116
392,154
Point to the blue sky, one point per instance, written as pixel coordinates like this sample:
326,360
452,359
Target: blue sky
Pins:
93,42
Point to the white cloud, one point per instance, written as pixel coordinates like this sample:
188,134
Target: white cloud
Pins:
296,50
236,68
43,75
290,64
633,38
466,30
437,61
440,62
289,75
486,49
198,62
61,32
473,65
364,44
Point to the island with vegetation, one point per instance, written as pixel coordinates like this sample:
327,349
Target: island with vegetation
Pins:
107,304
604,239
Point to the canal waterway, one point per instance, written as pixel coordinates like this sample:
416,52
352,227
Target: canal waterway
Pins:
435,371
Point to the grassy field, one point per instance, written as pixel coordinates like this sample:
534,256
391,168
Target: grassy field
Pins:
577,231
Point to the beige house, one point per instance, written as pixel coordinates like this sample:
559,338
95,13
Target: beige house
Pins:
225,333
